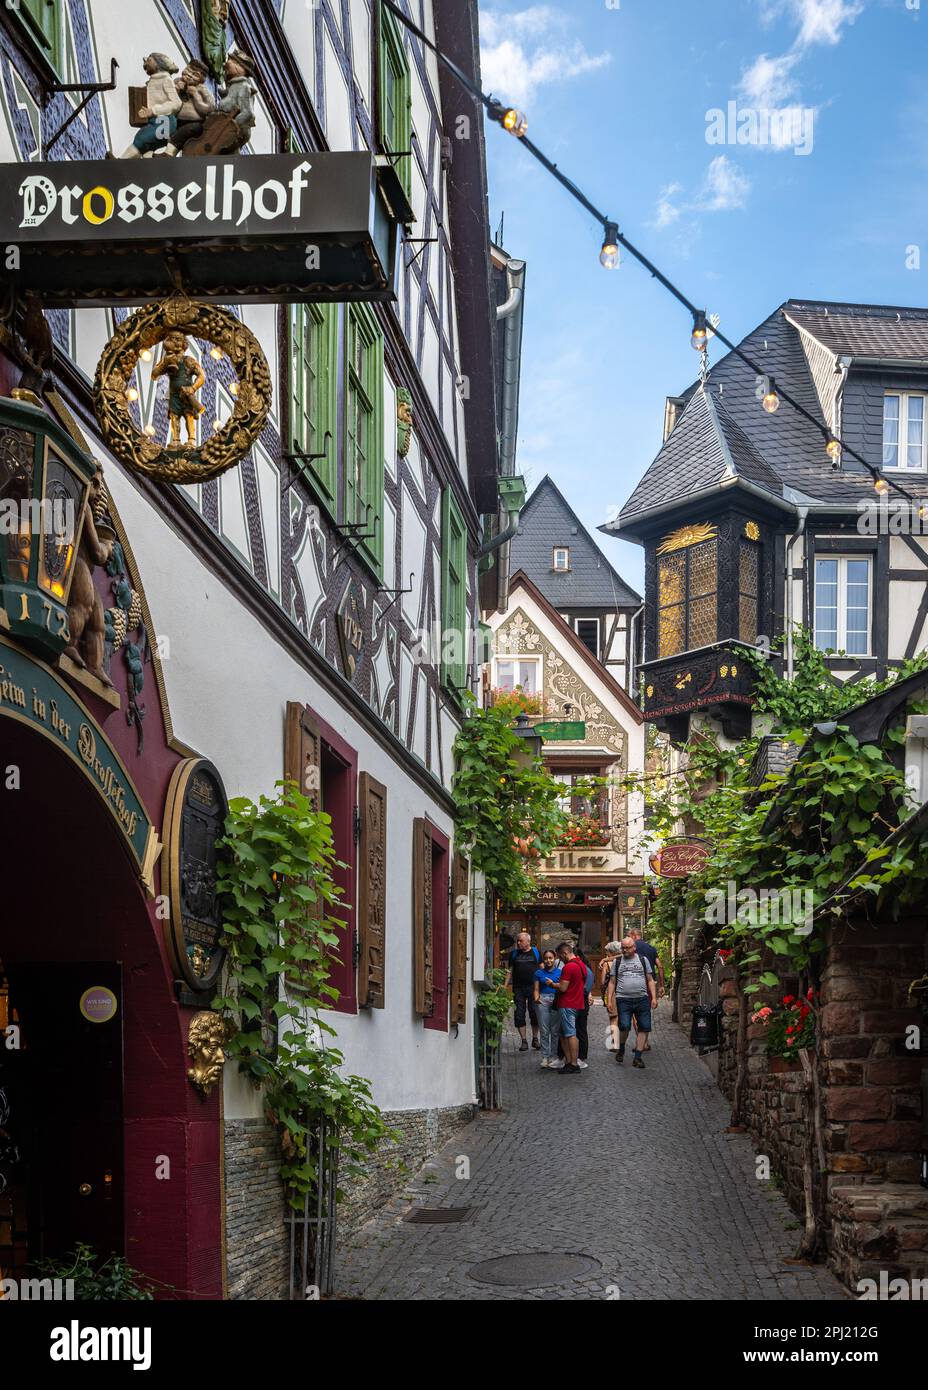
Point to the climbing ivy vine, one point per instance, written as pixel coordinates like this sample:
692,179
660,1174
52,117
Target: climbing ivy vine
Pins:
278,896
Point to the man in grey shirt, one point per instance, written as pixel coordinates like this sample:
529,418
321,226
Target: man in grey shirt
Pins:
632,988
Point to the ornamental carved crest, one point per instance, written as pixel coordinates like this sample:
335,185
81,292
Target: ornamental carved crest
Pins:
207,450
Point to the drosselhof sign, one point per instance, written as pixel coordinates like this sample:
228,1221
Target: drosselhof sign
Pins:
317,219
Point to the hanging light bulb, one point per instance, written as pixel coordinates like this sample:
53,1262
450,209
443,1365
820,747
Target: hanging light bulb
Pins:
880,485
700,331
923,512
145,354
770,400
516,122
609,255
833,449
132,394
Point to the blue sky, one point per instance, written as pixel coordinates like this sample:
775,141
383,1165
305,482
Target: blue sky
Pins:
618,95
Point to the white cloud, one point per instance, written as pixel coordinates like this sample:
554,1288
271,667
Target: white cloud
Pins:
821,21
768,81
724,188
523,51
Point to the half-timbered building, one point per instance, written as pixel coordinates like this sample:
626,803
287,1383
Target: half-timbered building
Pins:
752,527
290,611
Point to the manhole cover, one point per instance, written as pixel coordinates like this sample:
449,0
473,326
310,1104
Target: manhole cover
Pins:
437,1216
533,1271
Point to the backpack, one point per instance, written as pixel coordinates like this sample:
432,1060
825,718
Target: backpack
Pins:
515,951
645,964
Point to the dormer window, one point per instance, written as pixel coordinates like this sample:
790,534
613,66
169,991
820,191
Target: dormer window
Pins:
561,559
904,431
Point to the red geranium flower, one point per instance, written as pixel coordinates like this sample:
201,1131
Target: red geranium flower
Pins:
789,998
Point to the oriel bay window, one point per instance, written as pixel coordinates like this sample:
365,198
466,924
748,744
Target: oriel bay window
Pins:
843,604
748,589
687,598
364,483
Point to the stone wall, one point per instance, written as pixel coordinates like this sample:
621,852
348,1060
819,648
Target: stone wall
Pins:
869,1106
257,1242
421,1133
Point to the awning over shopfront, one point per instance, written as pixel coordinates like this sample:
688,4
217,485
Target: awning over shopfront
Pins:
245,229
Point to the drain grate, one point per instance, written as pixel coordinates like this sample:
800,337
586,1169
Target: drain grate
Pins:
437,1216
533,1270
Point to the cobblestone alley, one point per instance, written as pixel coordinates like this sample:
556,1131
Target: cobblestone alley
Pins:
629,1173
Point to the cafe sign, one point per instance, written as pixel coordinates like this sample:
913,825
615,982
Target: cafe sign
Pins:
680,860
253,229
31,693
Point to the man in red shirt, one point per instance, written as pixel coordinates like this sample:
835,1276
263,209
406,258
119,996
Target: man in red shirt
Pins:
570,987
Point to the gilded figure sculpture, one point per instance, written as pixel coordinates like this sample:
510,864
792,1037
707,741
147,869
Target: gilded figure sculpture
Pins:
185,378
205,1038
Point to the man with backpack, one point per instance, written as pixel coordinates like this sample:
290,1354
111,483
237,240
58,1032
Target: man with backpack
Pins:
632,986
524,960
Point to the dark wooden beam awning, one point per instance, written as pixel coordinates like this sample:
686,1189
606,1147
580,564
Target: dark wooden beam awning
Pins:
245,229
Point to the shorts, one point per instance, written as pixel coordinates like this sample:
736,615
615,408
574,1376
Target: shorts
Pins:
639,1008
568,1022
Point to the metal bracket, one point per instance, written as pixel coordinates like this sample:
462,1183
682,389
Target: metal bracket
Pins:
397,595
298,456
353,533
422,243
89,88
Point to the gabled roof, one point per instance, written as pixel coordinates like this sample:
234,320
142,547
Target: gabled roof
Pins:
520,580
863,330
784,444
548,520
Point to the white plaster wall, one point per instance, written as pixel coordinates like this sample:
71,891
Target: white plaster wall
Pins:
228,683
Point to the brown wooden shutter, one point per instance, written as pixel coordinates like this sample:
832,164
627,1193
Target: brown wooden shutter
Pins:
422,917
372,892
460,918
303,752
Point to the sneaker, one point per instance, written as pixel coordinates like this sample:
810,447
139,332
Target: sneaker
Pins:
568,1069
524,1047
546,1061
620,1055
637,1062
536,1044
583,1065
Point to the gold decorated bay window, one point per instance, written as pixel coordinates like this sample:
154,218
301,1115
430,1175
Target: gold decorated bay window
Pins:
687,592
748,589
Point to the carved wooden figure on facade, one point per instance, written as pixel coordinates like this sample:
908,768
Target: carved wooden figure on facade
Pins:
153,109
197,105
185,378
85,608
228,128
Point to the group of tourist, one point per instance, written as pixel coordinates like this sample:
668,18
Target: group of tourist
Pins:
554,988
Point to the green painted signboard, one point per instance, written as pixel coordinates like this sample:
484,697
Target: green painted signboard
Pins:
33,694
562,730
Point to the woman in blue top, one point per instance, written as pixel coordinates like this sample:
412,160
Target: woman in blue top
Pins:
549,1020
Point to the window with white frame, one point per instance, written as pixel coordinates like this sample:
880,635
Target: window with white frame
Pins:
518,673
904,431
842,604
561,560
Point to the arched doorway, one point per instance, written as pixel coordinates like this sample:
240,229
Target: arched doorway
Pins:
105,1142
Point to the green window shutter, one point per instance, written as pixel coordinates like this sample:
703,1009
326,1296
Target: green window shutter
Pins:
364,426
454,592
313,367
43,21
395,97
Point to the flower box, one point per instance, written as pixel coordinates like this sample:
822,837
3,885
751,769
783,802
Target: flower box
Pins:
780,1065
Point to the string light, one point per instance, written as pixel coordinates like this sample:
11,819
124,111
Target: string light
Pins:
770,400
233,389
514,121
216,353
609,255
880,485
149,430
145,354
132,394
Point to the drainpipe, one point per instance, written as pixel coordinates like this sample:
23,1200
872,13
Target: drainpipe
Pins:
803,513
509,314
633,653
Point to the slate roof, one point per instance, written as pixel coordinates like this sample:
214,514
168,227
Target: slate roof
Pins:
784,453
864,330
548,520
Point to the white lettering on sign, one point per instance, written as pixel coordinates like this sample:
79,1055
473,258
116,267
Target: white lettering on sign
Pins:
194,201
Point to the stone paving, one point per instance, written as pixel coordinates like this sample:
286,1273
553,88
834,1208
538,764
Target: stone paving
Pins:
631,1169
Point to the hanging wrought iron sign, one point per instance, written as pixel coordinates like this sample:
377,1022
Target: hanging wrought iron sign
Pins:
194,820
171,324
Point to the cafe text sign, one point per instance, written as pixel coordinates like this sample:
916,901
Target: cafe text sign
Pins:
255,228
680,860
